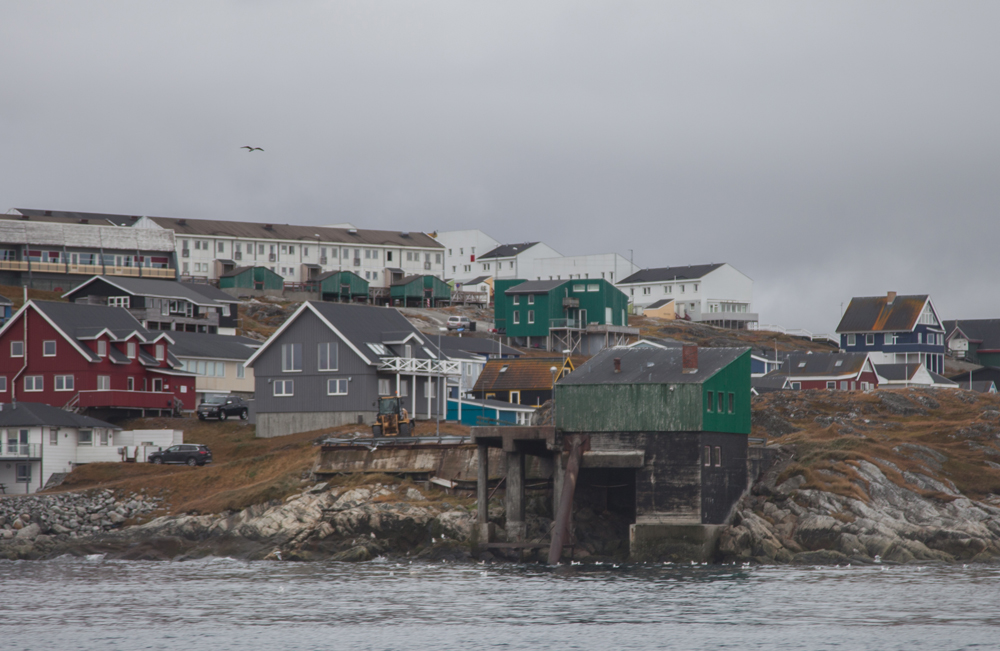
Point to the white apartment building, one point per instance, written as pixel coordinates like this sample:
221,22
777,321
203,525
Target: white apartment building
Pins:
461,249
207,248
513,260
717,293
610,266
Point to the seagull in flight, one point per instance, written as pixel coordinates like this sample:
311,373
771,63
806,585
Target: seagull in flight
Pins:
250,149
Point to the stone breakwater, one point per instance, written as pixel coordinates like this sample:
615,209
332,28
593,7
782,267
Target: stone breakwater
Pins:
349,524
32,518
926,520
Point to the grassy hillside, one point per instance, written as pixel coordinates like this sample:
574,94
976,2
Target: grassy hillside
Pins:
707,335
948,435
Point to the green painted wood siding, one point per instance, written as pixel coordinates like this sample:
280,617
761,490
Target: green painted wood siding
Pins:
629,407
597,302
499,300
358,286
415,288
542,307
248,279
595,296
735,379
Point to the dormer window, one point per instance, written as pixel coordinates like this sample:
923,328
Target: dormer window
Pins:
161,352
131,349
102,348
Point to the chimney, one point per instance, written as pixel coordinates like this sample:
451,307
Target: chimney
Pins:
618,364
48,213
689,358
84,221
182,222
269,227
891,298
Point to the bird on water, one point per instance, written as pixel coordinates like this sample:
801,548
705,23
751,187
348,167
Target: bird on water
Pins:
250,149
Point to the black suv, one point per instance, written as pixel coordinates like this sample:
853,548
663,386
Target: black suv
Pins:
222,407
192,455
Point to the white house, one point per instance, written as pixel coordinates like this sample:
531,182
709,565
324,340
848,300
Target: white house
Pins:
38,440
513,261
461,250
717,293
610,266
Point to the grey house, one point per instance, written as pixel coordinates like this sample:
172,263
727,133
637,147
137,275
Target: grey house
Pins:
329,362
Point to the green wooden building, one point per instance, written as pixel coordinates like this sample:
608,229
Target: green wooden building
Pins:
417,291
342,287
684,413
499,304
259,278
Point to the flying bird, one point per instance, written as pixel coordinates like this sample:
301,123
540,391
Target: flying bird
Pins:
250,149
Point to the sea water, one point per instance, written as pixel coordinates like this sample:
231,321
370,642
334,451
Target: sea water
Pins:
220,604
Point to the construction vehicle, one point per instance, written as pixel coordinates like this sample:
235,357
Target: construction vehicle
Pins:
392,419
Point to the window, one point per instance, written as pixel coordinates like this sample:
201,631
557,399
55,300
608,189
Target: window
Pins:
682,289
721,399
17,349
694,288
404,388
839,362
522,418
118,301
802,364
667,289
430,389
843,385
54,436
378,349
437,257
3,383
384,387
531,316
517,317
646,290
593,287
130,384
24,473
34,383
336,387
889,338
284,388
516,300
130,347
64,383
85,437
291,358
105,437
831,385
711,399
327,356
305,250
796,386
920,337
224,310
291,250
707,456
408,351
161,352
579,288
531,299
869,340
852,340
732,402
717,456
241,371
103,382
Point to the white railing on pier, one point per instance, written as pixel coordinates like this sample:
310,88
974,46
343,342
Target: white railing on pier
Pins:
410,366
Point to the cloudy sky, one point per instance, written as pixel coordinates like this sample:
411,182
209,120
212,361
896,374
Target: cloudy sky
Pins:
827,150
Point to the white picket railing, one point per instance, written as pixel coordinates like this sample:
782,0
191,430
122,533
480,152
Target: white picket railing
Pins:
409,366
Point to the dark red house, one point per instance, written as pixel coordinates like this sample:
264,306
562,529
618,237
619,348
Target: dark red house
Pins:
833,371
90,358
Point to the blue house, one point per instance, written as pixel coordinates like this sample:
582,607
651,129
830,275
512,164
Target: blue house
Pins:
894,330
6,309
490,412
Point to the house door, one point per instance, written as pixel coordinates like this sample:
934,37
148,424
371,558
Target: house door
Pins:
157,384
515,397
583,318
608,316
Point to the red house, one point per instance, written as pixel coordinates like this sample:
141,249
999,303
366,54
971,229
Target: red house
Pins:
90,358
834,371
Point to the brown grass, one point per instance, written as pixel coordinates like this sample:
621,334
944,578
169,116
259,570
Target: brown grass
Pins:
16,294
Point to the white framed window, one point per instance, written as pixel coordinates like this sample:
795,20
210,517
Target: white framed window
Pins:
17,349
130,348
408,351
796,386
647,290
3,384
54,436
328,356
404,388
531,299
119,301
224,310
64,382
531,316
85,438
870,339
522,418
161,352
682,289
515,300
284,388
384,386
889,338
102,348
291,358
831,385
336,387
241,371
517,317
103,382
430,389
130,384
34,383
593,287
105,437
852,340
844,384
695,290
49,348
579,288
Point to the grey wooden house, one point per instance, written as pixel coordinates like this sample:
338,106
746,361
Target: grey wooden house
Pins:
328,364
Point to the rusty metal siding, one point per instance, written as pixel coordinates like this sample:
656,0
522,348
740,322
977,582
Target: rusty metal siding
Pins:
631,407
733,378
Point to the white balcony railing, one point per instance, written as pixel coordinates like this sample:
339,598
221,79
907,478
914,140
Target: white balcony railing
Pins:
409,366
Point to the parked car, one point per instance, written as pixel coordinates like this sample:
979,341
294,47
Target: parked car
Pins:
457,322
222,407
189,453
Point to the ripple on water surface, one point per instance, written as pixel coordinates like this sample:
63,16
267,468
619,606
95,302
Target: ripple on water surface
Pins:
219,604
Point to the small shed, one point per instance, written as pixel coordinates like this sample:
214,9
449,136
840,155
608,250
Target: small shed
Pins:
489,412
417,291
664,308
251,278
342,287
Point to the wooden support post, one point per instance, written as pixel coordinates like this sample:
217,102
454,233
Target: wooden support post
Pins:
561,532
516,527
483,495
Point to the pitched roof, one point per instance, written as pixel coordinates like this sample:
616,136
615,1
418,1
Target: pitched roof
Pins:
508,250
475,281
898,372
200,344
476,345
535,287
658,304
149,287
874,314
330,274
655,342
359,326
821,365
979,386
67,217
662,274
211,292
305,234
525,374
5,301
940,380
774,381
26,414
980,375
985,332
651,366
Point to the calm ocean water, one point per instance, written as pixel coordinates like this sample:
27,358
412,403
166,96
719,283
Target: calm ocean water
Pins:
222,604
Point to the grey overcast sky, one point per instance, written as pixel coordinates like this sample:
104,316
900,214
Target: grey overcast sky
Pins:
825,149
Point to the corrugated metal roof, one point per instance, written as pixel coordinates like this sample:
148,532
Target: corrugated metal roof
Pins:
651,366
799,365
27,414
525,374
304,234
662,274
985,332
507,250
109,238
535,287
873,314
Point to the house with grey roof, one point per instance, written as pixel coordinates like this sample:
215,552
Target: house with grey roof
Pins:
832,371
716,293
974,340
894,329
217,362
328,364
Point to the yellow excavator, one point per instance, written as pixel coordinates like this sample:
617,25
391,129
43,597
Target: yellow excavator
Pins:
392,418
